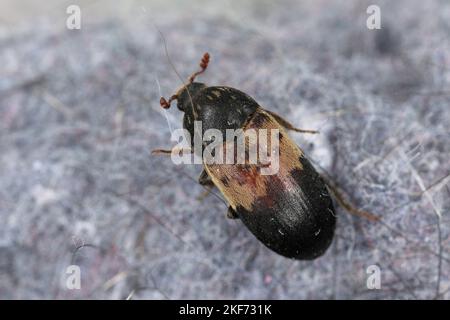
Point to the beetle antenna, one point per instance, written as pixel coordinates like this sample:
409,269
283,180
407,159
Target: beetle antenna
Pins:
203,65
166,103
162,101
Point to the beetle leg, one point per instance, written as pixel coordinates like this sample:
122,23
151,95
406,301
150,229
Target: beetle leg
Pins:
205,193
341,199
204,179
231,214
169,152
287,125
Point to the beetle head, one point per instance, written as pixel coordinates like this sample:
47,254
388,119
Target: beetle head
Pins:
187,91
186,94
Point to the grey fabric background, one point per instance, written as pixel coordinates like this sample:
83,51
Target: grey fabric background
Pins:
79,116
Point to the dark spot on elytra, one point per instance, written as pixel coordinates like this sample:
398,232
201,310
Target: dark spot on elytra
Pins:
246,175
274,189
225,181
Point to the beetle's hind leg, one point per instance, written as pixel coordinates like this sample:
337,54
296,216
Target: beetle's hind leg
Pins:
231,214
205,180
287,125
341,199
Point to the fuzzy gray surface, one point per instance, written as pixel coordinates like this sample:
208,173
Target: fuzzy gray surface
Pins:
80,114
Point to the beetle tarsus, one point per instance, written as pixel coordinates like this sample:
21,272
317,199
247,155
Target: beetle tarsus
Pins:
343,202
231,214
204,194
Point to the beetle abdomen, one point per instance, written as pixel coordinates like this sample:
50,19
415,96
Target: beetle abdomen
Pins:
296,222
290,211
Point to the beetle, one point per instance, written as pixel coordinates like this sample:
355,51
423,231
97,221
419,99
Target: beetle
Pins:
290,212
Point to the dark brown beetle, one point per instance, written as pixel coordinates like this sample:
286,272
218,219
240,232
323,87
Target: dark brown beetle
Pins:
291,212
